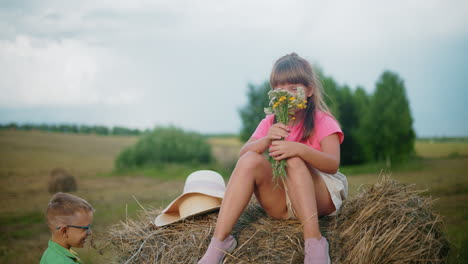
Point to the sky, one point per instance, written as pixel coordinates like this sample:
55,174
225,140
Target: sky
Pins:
140,64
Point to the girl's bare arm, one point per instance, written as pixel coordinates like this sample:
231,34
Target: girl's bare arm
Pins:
256,145
327,160
276,131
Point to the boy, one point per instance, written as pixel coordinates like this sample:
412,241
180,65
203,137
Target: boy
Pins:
69,218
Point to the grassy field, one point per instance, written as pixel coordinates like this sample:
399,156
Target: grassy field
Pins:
26,159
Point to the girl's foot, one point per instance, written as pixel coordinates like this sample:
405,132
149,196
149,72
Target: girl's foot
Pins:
316,251
217,250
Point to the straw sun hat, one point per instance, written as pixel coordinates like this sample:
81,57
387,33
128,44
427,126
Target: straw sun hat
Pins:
203,193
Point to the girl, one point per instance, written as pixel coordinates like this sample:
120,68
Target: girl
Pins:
311,148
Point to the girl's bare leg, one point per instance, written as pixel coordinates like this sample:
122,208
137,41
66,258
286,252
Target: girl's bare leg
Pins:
309,196
252,174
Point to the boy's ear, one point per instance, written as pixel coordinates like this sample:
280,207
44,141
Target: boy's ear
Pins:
62,231
65,233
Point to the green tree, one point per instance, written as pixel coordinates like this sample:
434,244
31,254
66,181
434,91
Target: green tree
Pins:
118,130
252,113
351,149
388,125
84,129
331,90
361,103
341,101
101,130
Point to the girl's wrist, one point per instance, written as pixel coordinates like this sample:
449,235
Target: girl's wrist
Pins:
265,144
301,148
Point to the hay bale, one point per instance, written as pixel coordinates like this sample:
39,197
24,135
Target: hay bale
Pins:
386,223
61,181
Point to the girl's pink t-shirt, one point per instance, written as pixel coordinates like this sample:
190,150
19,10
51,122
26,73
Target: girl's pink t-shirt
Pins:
324,125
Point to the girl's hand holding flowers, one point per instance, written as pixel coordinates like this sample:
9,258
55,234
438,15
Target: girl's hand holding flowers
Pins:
283,105
278,131
281,150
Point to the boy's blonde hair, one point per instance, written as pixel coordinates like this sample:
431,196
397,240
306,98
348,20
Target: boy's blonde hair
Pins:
63,206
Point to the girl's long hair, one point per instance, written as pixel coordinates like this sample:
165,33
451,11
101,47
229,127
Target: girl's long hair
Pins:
292,69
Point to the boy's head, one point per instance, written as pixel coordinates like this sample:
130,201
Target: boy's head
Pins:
69,218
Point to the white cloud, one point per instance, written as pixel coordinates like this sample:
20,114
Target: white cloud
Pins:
133,52
54,73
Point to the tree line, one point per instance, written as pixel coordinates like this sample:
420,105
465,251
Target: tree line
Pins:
72,128
377,126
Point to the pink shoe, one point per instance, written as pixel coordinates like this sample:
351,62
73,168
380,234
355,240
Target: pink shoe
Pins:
217,250
316,251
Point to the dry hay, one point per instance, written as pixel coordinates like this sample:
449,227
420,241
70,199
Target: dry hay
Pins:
61,181
388,222
385,223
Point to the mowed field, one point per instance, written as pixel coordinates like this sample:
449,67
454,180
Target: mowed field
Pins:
27,158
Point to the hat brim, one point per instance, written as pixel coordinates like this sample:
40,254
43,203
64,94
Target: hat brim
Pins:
170,218
171,215
216,194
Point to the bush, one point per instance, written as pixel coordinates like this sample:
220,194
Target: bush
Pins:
165,145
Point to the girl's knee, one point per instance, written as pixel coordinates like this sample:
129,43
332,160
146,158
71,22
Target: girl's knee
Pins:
251,160
295,162
254,166
297,170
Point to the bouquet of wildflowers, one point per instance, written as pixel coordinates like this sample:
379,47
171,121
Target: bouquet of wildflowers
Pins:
283,105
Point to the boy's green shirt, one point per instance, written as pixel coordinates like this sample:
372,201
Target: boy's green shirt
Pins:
56,254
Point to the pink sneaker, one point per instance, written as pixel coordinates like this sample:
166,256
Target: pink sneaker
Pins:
316,251
217,250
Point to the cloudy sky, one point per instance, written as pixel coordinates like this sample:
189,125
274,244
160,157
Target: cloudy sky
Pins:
188,63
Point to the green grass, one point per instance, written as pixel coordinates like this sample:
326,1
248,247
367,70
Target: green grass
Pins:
381,167
26,159
432,149
24,226
172,171
443,139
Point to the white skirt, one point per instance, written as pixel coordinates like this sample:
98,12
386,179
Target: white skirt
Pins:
337,186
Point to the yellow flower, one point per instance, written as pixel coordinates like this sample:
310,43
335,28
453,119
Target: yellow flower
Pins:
293,118
275,105
282,98
292,98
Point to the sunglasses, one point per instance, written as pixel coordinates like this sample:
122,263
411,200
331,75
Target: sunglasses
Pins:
87,228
